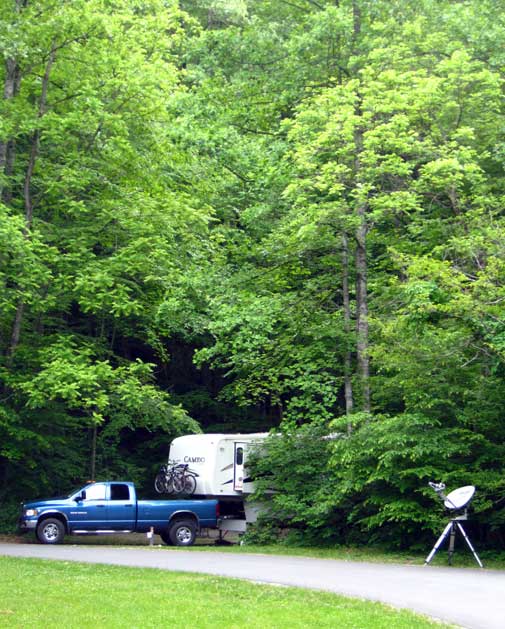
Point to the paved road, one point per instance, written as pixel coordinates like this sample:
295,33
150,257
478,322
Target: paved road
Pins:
474,599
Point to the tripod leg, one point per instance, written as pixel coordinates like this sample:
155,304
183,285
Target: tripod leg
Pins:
451,543
469,544
438,543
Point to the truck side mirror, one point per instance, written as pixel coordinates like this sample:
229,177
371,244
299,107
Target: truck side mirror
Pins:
81,496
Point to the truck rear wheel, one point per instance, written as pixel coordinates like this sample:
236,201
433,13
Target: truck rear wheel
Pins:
51,531
182,533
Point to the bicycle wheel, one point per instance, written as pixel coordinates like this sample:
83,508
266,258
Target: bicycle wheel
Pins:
186,484
159,483
189,484
169,485
178,483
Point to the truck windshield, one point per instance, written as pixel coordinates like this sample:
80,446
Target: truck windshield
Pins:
75,491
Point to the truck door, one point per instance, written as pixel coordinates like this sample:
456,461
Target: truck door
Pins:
90,513
122,507
238,466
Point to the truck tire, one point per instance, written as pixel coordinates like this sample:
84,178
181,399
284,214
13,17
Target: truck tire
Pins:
51,531
182,532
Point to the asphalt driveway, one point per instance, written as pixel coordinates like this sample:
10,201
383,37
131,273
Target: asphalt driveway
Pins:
474,599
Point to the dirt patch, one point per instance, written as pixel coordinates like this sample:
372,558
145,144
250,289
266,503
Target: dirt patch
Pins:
16,539
130,539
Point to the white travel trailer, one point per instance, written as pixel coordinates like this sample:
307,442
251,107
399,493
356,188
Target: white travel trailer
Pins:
219,460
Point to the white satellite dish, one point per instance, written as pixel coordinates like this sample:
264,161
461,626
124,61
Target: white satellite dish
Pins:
457,501
460,497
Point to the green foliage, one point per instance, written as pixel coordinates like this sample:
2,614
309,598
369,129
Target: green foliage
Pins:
291,477
391,125
92,234
94,388
382,470
371,486
223,177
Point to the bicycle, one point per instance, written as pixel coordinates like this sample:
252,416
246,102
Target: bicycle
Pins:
177,479
184,479
163,483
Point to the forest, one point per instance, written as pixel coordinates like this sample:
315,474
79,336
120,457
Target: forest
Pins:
243,215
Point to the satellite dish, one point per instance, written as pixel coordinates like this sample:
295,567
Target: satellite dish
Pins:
460,497
456,501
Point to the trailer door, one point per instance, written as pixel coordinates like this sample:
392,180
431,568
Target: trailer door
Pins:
238,466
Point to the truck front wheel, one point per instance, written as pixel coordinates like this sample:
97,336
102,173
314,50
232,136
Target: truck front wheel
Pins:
182,533
50,531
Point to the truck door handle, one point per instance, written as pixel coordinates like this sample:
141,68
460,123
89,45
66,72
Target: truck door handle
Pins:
101,506
128,506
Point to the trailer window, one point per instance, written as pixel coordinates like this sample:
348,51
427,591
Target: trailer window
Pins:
119,492
239,458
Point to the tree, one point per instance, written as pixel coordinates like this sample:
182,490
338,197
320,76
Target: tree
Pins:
95,230
396,154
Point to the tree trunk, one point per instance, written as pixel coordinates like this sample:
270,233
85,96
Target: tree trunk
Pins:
93,452
363,359
35,144
356,21
6,193
362,310
27,193
361,279
349,400
11,88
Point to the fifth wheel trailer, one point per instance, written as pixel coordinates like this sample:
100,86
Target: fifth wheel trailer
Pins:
220,462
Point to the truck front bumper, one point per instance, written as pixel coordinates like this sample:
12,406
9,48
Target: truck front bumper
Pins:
25,525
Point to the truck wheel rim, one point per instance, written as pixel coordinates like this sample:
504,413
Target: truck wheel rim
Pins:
184,534
51,531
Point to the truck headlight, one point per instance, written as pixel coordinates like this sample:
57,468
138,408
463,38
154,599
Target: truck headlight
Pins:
31,512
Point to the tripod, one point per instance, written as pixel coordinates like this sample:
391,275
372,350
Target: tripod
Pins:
452,527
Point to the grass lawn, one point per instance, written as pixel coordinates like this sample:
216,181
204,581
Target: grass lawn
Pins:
36,593
462,558
493,560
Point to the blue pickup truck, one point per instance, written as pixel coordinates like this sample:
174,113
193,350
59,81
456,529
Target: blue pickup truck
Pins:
112,507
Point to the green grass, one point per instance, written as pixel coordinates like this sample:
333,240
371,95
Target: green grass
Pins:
36,593
461,559
492,560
